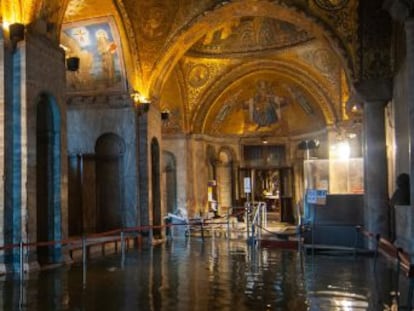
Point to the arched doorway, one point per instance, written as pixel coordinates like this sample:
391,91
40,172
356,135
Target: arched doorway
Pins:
110,150
48,176
170,182
156,187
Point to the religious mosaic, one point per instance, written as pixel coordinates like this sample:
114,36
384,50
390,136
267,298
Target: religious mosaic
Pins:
198,75
158,19
74,7
96,43
265,106
257,110
250,34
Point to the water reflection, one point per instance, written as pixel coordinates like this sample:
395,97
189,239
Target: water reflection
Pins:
214,275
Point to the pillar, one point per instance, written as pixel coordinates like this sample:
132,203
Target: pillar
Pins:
409,29
141,119
375,166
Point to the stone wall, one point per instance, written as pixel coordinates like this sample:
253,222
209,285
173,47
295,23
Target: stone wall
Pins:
88,120
153,124
177,146
45,73
33,69
192,168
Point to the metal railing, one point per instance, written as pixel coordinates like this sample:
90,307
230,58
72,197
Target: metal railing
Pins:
256,220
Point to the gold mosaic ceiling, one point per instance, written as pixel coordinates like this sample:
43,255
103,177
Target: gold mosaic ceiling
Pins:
242,67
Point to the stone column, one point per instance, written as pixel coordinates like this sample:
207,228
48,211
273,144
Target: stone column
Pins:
409,29
141,119
375,166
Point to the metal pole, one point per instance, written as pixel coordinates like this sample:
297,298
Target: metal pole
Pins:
202,229
228,223
247,223
21,276
313,229
21,271
122,250
84,261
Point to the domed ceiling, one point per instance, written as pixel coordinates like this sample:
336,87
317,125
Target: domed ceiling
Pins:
254,76
219,67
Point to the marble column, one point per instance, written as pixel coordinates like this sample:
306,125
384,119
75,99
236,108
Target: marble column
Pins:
375,166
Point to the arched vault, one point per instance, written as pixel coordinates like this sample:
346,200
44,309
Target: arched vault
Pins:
290,79
190,33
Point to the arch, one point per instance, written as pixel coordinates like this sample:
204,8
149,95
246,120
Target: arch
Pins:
282,69
48,177
192,32
156,187
170,181
110,175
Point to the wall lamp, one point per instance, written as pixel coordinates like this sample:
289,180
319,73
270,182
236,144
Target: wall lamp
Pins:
16,32
308,144
72,63
141,103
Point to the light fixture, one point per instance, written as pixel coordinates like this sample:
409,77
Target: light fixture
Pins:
354,105
264,140
141,103
72,63
16,32
308,144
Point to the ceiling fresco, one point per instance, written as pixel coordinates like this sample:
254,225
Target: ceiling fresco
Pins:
219,67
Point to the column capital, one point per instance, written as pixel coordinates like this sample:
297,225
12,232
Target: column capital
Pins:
374,90
400,10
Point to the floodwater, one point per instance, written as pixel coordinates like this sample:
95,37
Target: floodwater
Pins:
189,274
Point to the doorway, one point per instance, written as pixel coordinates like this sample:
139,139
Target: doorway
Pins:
273,186
109,158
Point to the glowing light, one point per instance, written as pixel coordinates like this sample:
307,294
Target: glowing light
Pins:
341,150
6,25
64,47
344,151
138,98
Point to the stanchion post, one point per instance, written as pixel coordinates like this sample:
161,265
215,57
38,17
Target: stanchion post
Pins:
247,223
21,271
228,223
202,229
84,261
397,288
21,277
122,250
377,239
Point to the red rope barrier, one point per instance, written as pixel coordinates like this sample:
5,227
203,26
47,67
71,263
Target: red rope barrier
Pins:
112,233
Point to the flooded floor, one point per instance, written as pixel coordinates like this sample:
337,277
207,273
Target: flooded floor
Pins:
213,275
